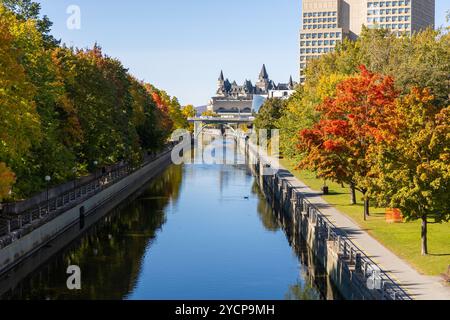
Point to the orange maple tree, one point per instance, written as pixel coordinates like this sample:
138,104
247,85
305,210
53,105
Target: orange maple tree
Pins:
165,123
361,114
7,179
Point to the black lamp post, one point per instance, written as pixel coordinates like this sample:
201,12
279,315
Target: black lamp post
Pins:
74,171
47,181
97,183
95,168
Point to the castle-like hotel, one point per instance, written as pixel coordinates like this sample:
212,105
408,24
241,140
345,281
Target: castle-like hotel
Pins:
232,99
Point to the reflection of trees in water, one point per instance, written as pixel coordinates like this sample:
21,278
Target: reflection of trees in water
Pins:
110,254
316,284
302,291
265,212
316,280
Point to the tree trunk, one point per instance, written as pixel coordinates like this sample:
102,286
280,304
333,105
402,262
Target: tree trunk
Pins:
353,193
424,236
366,206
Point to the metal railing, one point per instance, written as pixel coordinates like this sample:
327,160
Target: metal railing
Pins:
61,203
364,266
57,205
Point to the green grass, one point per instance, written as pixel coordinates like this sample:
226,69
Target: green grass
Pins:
401,238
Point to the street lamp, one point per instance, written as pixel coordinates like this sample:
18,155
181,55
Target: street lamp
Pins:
95,168
74,171
47,181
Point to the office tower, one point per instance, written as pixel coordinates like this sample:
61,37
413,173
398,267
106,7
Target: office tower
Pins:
321,30
326,22
403,16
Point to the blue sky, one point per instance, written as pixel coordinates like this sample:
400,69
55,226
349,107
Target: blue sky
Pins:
181,45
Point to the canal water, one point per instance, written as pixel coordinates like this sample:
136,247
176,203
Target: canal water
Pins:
197,231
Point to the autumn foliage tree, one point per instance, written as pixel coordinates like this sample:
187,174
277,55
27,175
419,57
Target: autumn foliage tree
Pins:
189,112
360,115
64,109
30,10
7,179
19,120
413,171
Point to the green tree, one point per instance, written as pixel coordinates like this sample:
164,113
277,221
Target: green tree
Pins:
20,126
30,10
63,108
269,113
300,112
209,113
189,111
176,114
145,117
419,60
53,155
100,91
414,170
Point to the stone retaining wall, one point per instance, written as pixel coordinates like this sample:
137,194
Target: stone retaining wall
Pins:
348,268
20,247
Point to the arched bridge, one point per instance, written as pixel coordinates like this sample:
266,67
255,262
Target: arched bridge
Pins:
232,123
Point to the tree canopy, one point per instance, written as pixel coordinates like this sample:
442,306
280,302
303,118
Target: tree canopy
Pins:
382,130
62,109
269,113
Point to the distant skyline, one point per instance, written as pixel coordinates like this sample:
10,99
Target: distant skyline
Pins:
180,46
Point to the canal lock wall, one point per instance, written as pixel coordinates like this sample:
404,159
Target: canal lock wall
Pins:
348,268
21,244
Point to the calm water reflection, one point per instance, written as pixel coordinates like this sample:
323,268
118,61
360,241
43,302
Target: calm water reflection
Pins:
195,232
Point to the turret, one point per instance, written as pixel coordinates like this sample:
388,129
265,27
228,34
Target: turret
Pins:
221,90
263,75
263,83
291,84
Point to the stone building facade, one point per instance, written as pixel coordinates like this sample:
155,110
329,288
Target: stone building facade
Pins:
232,99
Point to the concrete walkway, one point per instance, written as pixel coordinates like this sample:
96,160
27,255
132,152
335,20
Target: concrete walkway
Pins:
418,286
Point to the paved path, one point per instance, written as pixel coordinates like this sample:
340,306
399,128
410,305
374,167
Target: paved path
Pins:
418,286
